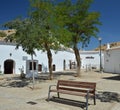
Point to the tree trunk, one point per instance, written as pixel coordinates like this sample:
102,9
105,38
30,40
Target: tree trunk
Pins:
49,55
77,55
33,76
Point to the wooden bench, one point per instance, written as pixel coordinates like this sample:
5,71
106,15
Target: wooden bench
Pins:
78,88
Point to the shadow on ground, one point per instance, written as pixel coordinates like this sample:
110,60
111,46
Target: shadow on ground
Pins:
17,81
102,96
108,96
68,102
31,103
113,78
45,76
14,82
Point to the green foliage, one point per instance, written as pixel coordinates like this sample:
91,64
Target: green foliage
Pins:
2,34
45,19
25,35
78,20
54,23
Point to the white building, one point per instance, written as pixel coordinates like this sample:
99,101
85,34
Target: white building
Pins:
14,60
112,60
91,59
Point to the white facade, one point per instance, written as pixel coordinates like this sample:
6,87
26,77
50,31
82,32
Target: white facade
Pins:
10,56
14,60
112,60
91,59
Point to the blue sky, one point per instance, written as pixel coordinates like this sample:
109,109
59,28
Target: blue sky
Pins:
110,17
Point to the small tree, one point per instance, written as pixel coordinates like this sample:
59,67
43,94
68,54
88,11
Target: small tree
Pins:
25,36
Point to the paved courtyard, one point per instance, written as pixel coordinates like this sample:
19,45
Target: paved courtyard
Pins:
17,94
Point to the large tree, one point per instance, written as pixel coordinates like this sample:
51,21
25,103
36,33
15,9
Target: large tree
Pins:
80,22
39,31
45,20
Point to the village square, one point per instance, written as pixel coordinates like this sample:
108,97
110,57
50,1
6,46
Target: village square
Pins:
59,56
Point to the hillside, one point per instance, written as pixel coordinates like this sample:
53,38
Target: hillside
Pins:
7,32
104,47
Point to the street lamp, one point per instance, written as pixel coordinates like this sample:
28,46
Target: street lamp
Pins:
100,39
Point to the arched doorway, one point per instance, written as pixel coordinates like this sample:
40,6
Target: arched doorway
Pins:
8,66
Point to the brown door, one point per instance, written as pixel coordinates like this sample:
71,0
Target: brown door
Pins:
8,66
39,67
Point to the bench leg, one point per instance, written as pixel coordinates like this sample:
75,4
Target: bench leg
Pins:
94,100
87,101
58,94
48,95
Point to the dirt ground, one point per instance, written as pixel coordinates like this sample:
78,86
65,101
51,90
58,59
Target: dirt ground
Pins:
17,93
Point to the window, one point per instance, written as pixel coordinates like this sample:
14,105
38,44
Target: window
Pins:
34,66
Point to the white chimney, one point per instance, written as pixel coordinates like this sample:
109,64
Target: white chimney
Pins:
108,46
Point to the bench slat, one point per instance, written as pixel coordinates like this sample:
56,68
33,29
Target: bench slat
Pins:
72,93
76,84
77,90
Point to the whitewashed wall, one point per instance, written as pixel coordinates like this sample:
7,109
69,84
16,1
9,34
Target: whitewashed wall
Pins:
20,57
91,59
112,60
17,57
